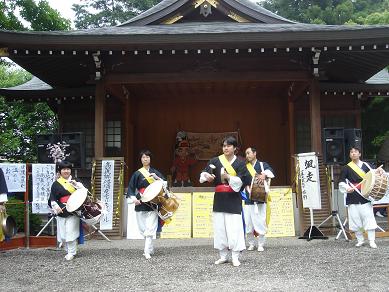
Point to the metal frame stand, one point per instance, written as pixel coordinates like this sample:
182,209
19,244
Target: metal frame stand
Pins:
335,213
83,220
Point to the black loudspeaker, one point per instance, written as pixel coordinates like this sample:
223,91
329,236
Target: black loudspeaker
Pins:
352,138
75,148
333,146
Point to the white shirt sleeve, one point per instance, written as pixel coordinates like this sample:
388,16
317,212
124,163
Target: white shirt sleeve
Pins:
3,198
203,177
235,183
269,173
343,187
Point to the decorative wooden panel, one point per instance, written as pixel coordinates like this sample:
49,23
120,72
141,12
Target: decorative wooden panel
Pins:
118,190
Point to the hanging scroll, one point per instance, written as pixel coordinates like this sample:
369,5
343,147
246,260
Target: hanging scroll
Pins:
107,177
43,176
308,170
15,176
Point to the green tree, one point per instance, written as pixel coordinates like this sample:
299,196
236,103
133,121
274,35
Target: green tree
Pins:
100,13
39,16
328,11
21,121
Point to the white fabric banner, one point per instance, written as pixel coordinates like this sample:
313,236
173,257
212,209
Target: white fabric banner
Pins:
107,177
43,176
309,180
15,176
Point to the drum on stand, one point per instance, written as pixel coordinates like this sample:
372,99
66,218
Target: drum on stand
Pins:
375,185
165,201
82,205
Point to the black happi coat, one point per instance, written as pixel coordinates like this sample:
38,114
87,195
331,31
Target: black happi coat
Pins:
258,169
138,182
57,192
228,202
348,173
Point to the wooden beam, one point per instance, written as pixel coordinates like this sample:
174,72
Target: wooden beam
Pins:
116,90
207,77
292,139
314,105
128,137
99,119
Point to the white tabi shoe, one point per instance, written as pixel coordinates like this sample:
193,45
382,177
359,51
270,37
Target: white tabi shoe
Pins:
147,256
220,261
359,243
236,263
69,257
260,248
251,247
372,244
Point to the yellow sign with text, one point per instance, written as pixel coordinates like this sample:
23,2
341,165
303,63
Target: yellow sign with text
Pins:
282,215
202,215
181,222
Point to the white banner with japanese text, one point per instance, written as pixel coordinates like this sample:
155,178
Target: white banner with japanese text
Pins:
308,167
15,176
107,181
43,176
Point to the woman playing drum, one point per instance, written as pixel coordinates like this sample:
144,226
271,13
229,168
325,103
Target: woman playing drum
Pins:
68,224
146,216
360,210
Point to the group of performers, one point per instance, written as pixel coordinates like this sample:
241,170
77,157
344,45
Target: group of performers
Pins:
232,177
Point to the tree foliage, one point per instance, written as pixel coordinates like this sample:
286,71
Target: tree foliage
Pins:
38,16
21,121
331,11
100,13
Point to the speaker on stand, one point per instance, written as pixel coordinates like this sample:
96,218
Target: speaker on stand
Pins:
352,138
333,148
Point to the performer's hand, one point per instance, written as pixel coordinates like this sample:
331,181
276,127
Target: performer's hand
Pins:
209,177
2,208
154,176
137,202
57,209
350,190
262,177
225,177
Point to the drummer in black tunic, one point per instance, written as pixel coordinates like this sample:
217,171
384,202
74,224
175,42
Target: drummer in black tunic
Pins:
360,210
229,175
146,216
68,224
3,199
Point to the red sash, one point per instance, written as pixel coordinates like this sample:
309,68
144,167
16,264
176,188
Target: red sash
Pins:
224,189
142,190
64,199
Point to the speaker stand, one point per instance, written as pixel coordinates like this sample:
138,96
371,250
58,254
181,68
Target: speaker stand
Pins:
313,232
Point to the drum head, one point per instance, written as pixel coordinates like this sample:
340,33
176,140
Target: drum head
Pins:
152,191
76,199
368,184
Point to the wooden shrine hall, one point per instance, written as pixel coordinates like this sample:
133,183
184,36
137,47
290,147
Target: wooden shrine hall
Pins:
201,66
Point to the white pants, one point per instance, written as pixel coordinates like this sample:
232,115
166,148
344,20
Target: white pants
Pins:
361,217
148,224
228,232
255,218
68,230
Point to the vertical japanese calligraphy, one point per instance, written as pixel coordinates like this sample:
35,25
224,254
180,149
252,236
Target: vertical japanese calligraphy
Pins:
15,176
107,182
309,180
43,176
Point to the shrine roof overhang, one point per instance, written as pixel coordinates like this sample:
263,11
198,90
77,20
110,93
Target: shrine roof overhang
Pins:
199,34
37,90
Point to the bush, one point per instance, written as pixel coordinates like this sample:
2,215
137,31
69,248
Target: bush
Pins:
17,212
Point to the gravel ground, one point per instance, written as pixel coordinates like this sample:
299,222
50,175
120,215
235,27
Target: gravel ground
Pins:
288,264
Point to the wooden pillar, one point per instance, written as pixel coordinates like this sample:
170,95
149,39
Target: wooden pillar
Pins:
128,137
314,106
99,119
292,138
